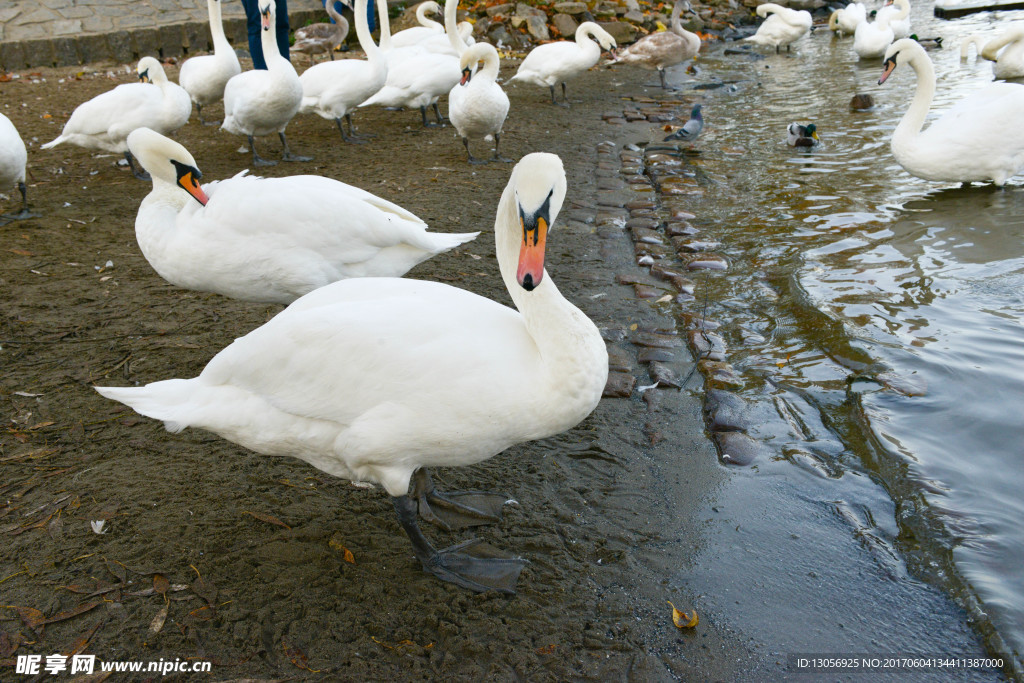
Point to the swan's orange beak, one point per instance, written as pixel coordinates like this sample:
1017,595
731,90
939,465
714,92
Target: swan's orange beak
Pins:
265,19
188,180
887,68
531,252
466,75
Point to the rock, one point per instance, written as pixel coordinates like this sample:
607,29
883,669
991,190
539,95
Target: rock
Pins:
656,341
621,31
504,10
707,345
634,16
573,8
523,10
619,360
564,23
498,34
406,19
656,355
663,375
727,411
738,448
620,385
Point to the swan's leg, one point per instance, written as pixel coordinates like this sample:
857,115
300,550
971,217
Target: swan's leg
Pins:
455,510
141,175
475,573
470,158
565,96
497,155
257,160
199,111
287,155
437,112
24,213
352,137
426,123
552,89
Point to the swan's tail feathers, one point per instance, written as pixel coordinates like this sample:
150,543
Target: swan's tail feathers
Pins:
167,401
53,143
308,105
444,241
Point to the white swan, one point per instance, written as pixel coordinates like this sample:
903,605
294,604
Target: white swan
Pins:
553,63
844,21
427,28
965,46
978,139
269,239
204,77
477,106
872,38
665,48
417,77
13,158
323,37
897,16
375,379
263,101
334,89
1007,52
782,26
104,121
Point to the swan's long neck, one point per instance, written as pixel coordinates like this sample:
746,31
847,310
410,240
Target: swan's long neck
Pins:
268,39
220,41
904,10
492,65
991,49
363,32
451,12
912,121
586,38
340,22
764,9
677,26
385,25
424,20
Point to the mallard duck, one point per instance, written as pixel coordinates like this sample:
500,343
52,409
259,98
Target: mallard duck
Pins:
802,136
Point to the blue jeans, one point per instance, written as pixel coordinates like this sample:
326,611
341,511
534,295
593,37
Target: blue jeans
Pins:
252,20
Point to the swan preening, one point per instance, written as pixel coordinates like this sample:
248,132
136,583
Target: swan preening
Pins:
978,139
204,77
105,121
334,89
896,14
1005,51
665,48
782,26
13,158
376,379
263,101
845,21
269,239
323,37
477,106
554,63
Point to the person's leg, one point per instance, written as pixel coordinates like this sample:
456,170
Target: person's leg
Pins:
252,23
282,27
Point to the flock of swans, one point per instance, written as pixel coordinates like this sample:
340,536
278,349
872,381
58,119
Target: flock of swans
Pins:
373,377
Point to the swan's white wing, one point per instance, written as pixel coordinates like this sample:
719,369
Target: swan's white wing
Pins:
127,106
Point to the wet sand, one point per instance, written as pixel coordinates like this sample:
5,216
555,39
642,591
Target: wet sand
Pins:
628,510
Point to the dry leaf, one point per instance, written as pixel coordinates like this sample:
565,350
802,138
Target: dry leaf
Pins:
269,519
681,619
547,649
159,620
20,252
339,546
297,657
161,585
81,609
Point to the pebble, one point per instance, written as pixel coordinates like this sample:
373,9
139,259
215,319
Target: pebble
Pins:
707,344
638,180
643,223
632,279
720,374
738,448
659,251
619,360
619,385
647,236
651,431
656,341
680,229
727,411
682,216
708,262
655,355
641,204
664,376
647,292
695,246
631,170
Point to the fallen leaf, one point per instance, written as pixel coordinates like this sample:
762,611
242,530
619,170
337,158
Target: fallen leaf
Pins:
81,609
297,657
20,252
681,619
547,649
159,620
269,519
161,585
337,545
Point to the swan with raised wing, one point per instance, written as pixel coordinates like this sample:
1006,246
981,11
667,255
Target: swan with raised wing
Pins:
262,101
977,139
378,379
105,121
204,77
553,63
782,26
663,49
334,89
477,105
269,239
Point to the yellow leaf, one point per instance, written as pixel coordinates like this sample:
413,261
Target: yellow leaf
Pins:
339,546
681,619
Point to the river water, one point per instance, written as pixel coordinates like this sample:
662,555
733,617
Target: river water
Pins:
892,306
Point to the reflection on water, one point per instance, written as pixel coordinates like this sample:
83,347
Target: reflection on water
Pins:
877,290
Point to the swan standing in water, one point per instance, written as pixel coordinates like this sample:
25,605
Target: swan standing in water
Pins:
269,239
323,37
334,89
478,106
105,121
13,158
557,62
782,26
897,17
263,101
978,139
1007,52
665,48
204,77
872,38
377,379
845,21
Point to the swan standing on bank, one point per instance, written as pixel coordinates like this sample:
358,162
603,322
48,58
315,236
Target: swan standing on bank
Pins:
269,239
105,121
477,106
1006,51
782,26
13,158
553,63
978,139
263,101
665,48
377,379
323,37
334,89
845,21
204,77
